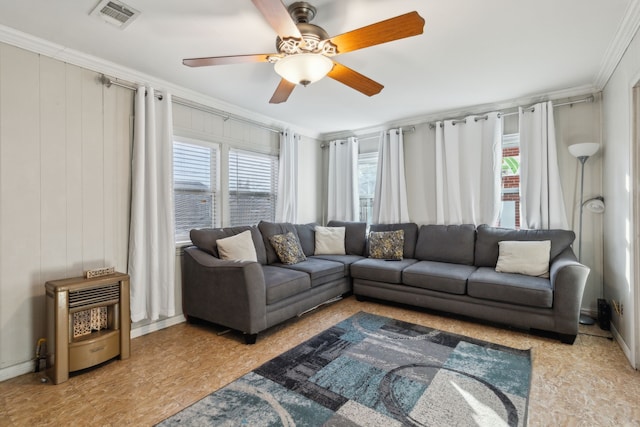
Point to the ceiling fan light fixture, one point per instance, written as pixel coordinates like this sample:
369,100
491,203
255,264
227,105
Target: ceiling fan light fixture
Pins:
303,68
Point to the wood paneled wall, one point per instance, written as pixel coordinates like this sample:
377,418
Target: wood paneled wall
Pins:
65,144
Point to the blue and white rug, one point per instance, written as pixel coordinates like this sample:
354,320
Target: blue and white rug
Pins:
370,370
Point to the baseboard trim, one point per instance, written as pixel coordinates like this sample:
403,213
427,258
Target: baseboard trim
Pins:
156,326
17,370
623,345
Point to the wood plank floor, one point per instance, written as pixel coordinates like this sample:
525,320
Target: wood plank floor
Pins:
589,383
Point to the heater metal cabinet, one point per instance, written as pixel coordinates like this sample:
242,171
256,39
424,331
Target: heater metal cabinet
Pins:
78,341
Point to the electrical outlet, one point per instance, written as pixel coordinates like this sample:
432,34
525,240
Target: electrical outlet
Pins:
617,307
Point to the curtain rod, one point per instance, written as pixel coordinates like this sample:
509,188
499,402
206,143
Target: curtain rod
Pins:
483,116
185,102
372,136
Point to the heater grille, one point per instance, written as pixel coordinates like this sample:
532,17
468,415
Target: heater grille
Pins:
92,296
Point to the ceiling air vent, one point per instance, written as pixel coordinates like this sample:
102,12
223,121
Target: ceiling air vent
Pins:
115,13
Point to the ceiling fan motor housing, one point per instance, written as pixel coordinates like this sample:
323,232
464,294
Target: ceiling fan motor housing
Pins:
301,11
312,35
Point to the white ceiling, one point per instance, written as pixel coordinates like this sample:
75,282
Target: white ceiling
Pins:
471,53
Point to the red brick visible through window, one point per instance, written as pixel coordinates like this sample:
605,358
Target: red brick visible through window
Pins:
511,151
511,181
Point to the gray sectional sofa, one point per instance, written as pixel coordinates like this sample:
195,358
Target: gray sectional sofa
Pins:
253,296
447,268
453,269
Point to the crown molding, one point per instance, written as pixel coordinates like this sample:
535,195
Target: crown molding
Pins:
40,46
625,34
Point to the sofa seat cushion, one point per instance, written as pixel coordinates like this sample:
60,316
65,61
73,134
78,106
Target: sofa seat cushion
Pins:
486,283
438,276
319,270
282,283
380,270
345,260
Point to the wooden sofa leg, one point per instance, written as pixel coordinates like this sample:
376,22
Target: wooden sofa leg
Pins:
567,338
250,338
360,298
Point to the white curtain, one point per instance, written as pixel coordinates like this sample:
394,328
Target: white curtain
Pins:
151,234
342,191
287,200
468,170
541,199
390,199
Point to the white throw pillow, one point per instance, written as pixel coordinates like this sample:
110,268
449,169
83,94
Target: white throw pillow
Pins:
239,247
330,241
524,257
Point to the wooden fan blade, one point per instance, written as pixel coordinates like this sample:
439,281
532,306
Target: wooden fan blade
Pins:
355,80
407,25
278,17
224,60
282,92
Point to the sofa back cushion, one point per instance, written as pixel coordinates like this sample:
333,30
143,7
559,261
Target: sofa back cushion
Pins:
307,237
355,236
410,235
268,229
205,239
487,239
446,243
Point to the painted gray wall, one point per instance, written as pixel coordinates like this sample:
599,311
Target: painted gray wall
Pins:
620,183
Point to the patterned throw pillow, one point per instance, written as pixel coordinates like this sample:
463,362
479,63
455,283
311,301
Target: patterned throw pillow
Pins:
288,248
386,244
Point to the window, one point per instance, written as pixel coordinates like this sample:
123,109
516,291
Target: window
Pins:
367,169
510,211
253,185
195,187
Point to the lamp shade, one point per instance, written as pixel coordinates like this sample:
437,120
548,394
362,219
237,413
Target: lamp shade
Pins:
585,149
303,68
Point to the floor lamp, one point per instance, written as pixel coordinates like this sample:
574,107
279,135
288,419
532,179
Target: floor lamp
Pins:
582,152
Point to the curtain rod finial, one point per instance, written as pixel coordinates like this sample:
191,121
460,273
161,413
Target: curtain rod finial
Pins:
105,80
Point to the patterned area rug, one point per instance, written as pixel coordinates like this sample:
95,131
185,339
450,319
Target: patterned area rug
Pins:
370,370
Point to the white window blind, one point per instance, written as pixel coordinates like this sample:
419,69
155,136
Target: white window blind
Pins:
195,187
253,184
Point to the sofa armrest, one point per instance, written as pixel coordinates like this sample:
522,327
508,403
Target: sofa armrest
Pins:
568,279
229,293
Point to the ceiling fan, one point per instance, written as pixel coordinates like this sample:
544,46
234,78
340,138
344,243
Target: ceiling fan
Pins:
305,51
